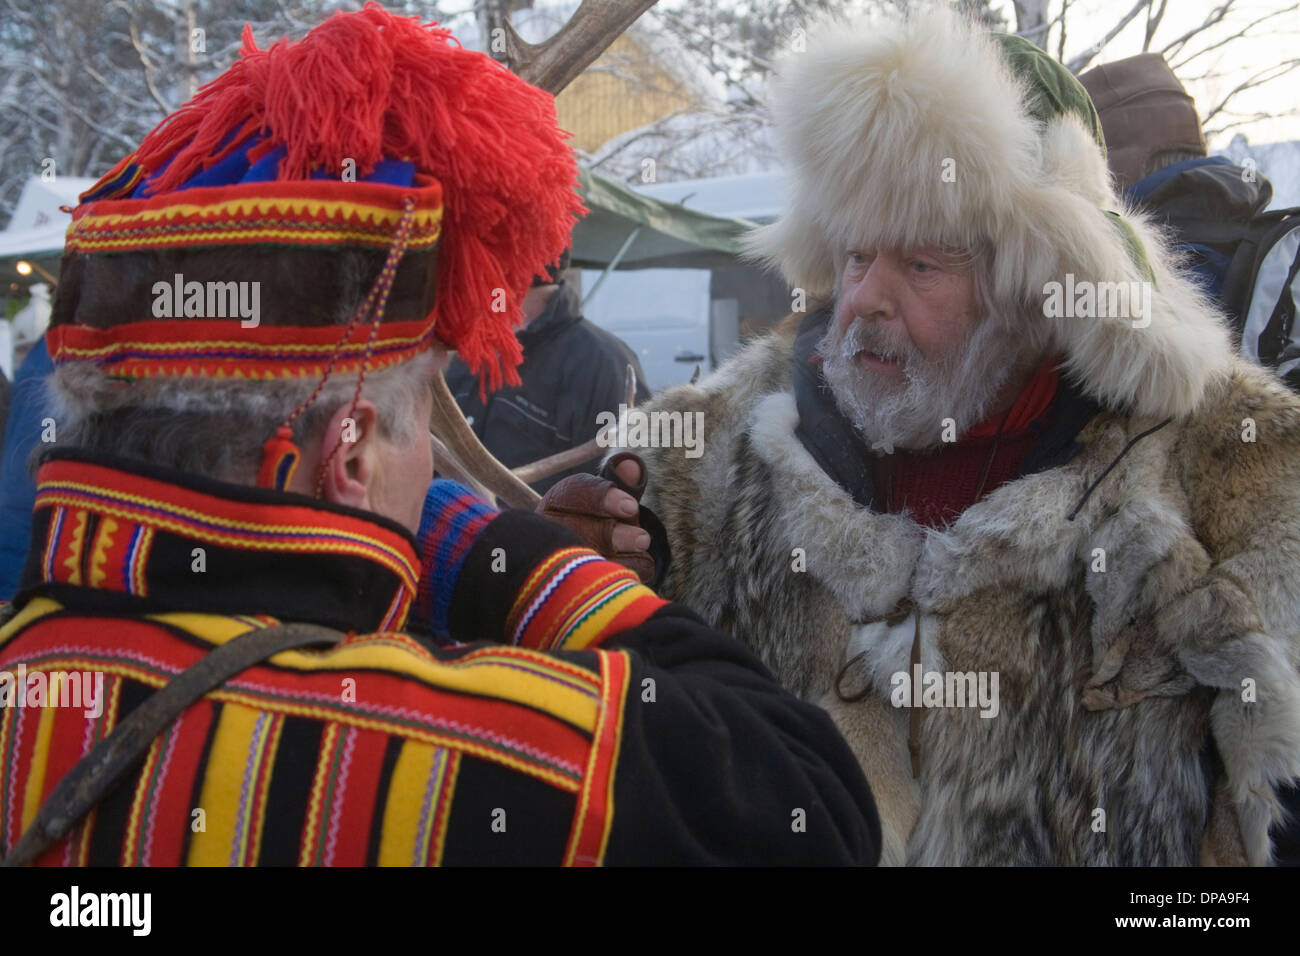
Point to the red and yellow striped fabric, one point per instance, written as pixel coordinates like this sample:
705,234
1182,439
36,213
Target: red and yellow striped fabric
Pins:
374,752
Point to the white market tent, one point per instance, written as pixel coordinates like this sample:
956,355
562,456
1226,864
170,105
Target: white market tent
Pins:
35,231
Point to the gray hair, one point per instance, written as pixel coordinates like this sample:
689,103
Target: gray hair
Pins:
217,428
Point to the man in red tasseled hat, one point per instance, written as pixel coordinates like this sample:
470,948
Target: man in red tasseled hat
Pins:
251,310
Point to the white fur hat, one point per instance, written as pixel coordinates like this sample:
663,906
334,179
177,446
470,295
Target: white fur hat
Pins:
921,129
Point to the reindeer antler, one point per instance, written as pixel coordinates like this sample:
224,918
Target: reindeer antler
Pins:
550,66
557,62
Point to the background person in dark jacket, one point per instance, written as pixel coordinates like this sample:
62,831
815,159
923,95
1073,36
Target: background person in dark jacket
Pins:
572,371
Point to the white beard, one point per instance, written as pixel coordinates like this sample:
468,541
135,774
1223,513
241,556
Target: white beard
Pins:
961,385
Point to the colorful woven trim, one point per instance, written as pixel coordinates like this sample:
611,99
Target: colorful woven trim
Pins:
118,181
304,213
450,523
221,349
133,508
377,767
576,598
594,817
258,220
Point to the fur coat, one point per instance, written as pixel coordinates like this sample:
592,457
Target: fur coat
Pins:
1139,603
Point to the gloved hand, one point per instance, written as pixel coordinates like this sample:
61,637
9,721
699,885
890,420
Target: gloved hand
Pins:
603,511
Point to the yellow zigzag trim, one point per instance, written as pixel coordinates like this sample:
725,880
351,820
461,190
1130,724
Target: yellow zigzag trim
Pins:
196,238
261,206
73,561
324,348
103,541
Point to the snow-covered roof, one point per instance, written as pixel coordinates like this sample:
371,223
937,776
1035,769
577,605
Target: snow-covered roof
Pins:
37,226
40,200
761,197
758,197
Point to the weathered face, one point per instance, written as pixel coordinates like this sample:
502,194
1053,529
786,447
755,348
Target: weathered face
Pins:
907,347
918,300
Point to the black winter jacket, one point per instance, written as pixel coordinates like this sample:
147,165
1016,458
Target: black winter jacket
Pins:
572,371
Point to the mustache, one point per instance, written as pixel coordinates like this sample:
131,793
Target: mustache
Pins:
864,336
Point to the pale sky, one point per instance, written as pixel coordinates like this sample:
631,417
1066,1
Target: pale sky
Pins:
1273,42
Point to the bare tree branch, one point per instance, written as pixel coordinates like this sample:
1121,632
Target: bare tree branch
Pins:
1083,59
1246,120
1216,16
676,22
1244,31
1060,45
1032,22
148,66
654,129
79,113
554,64
1257,79
115,90
36,118
1153,23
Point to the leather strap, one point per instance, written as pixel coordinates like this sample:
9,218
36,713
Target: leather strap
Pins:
893,618
918,714
610,471
97,772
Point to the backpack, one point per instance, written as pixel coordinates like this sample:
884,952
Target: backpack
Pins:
1245,257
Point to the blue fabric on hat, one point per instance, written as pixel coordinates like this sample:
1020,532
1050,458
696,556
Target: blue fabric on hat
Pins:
237,168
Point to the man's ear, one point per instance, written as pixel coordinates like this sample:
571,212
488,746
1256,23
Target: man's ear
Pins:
347,455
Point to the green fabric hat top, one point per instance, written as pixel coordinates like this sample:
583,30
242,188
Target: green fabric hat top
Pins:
1053,90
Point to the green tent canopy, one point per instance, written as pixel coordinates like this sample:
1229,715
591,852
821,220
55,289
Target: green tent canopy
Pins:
663,235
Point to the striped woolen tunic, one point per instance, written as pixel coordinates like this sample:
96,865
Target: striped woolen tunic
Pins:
540,745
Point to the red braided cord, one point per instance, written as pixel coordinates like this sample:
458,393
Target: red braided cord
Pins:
382,287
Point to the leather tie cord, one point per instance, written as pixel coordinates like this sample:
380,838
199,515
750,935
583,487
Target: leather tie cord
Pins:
917,715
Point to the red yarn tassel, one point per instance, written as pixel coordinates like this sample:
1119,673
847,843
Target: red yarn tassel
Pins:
280,457
370,85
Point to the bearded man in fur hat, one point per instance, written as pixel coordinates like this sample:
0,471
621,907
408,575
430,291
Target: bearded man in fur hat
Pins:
1007,503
